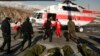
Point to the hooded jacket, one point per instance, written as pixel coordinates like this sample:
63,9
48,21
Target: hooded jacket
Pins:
5,26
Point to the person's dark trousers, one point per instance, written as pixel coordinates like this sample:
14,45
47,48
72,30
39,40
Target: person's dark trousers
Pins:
45,34
29,40
26,36
7,40
49,34
66,34
69,36
73,37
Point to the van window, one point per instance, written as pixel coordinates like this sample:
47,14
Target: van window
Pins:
39,16
35,15
68,8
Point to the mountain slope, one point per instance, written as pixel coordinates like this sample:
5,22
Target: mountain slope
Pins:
15,11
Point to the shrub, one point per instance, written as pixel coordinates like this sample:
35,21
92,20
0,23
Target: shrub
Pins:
86,51
67,50
35,50
54,52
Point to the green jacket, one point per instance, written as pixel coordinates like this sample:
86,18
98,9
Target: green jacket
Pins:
71,26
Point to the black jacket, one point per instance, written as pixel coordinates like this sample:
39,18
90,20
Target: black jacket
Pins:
47,25
5,27
27,27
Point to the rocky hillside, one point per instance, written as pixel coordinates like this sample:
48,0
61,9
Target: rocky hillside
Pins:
15,12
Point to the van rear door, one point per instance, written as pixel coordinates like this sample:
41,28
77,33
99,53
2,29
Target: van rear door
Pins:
53,15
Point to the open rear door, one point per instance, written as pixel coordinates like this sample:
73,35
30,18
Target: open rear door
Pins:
53,15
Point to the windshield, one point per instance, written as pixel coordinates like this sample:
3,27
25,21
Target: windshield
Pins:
39,16
35,15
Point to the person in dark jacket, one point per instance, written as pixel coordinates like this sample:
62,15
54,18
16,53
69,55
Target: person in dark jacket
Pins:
6,33
48,30
27,31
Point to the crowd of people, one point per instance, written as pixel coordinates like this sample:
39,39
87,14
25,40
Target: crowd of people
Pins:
26,29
